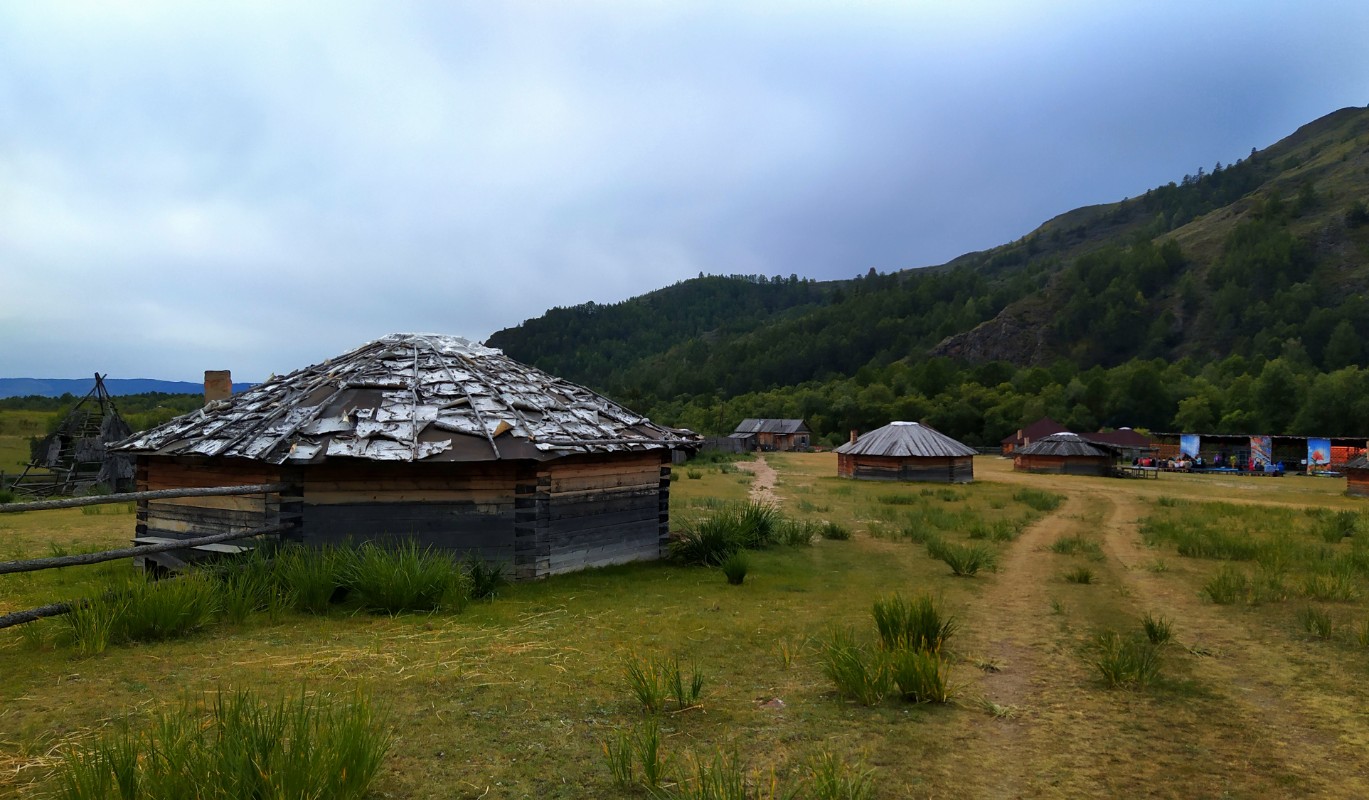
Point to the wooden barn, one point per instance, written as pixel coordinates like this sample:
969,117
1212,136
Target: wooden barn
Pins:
772,434
1357,477
1064,453
423,437
906,451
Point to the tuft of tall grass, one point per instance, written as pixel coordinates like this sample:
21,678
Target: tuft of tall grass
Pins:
830,778
1317,622
141,610
1159,630
835,531
708,541
484,578
966,560
1124,662
315,577
919,624
736,566
898,499
234,747
1077,544
392,580
798,533
1079,575
1038,500
758,524
654,680
921,676
723,777
1335,585
1229,585
858,673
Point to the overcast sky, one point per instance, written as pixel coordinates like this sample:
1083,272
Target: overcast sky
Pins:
260,186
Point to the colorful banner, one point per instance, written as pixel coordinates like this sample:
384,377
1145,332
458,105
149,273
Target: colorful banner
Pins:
1188,444
1318,454
1261,450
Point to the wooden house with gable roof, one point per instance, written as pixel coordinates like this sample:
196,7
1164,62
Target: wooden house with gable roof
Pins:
423,437
772,434
906,451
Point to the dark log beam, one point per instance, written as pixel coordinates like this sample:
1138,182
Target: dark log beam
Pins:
155,494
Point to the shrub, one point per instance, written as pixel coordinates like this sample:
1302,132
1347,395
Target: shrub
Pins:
6,496
1125,662
736,566
406,578
1038,499
1158,629
235,747
966,560
917,625
921,676
857,673
1079,575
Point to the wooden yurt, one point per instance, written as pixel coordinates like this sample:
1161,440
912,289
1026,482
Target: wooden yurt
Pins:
423,437
1357,477
906,451
1064,453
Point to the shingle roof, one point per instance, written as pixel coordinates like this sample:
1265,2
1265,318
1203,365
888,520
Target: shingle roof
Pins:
750,426
898,439
1359,462
408,397
1063,444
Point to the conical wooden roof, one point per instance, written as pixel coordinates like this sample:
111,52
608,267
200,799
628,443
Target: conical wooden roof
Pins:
906,439
409,397
1063,444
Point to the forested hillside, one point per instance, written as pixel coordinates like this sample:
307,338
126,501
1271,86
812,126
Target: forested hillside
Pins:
1231,300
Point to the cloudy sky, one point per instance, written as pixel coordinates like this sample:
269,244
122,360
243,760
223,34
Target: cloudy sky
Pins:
259,186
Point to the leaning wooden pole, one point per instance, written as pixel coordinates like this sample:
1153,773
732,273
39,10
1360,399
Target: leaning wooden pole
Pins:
155,494
35,564
35,614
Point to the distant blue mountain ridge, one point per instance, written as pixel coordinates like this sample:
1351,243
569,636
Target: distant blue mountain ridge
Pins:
56,387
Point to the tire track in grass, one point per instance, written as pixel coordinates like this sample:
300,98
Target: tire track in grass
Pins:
1015,633
1323,745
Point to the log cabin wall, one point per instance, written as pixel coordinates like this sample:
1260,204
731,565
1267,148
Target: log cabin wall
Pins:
1063,465
928,469
187,517
1357,482
601,510
465,508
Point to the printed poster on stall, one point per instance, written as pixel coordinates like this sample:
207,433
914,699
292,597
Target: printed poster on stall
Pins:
1318,454
1260,451
1188,444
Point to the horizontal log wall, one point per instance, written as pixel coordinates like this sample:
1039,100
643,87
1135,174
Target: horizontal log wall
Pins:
1357,482
601,511
463,508
943,469
1063,465
190,517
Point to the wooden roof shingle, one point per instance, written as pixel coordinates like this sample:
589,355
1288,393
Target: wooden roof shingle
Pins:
409,397
906,439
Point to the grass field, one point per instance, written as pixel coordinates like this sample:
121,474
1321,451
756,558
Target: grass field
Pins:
16,427
516,698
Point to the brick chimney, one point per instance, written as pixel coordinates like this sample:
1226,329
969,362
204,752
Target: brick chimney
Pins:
218,385
854,435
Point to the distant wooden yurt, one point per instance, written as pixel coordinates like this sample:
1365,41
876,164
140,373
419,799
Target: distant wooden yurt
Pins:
1064,453
426,438
906,451
1357,477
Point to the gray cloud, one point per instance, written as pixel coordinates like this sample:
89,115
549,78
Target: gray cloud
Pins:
261,186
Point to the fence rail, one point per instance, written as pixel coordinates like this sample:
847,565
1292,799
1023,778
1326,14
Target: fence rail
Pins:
155,494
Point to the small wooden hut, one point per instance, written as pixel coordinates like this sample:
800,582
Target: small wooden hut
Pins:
1357,477
423,437
772,434
906,451
1064,453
